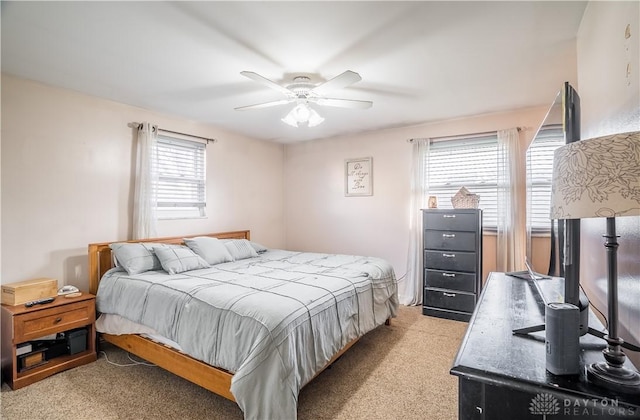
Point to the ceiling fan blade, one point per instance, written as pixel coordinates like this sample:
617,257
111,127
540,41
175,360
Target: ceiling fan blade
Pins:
263,80
265,104
344,103
340,81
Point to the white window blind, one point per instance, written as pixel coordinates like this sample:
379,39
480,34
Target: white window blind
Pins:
539,174
181,178
471,163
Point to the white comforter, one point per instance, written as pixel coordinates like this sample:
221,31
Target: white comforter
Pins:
274,321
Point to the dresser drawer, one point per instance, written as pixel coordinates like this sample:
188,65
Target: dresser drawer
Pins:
450,240
32,325
453,220
445,299
465,282
450,260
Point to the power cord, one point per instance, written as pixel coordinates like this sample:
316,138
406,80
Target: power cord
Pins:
134,362
606,321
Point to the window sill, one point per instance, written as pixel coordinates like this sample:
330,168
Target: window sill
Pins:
161,219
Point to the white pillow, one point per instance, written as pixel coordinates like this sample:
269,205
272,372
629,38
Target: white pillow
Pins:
210,249
259,248
240,249
176,260
136,257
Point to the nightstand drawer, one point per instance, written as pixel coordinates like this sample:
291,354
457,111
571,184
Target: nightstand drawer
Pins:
32,325
465,282
451,300
453,220
450,260
450,240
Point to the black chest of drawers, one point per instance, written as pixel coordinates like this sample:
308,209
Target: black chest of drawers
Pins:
452,262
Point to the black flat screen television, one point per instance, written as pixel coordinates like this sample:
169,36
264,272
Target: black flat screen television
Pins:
561,125
548,234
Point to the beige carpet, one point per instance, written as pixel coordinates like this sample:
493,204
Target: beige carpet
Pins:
394,372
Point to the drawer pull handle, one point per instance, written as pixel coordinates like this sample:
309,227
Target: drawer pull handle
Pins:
448,235
449,294
448,275
449,255
57,320
449,216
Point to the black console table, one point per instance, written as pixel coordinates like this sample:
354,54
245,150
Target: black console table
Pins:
503,376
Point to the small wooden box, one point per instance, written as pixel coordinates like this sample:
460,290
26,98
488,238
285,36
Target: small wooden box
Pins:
31,360
28,290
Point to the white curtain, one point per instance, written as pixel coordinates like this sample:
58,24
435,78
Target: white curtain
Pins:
410,289
145,196
511,202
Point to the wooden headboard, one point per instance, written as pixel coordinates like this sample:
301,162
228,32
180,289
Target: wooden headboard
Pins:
100,254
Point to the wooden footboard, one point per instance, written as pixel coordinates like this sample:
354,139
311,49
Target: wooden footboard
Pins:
214,379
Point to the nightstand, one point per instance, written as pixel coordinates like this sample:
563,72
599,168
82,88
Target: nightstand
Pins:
21,325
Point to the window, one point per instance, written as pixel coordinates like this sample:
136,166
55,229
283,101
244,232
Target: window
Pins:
539,173
181,178
470,163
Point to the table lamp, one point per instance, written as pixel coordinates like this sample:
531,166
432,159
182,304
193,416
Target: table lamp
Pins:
600,177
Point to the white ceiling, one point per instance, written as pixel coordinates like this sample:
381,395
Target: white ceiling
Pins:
419,61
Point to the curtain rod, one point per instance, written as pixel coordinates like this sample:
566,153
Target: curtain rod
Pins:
464,136
137,125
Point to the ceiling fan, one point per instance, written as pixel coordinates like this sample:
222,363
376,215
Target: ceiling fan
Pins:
303,92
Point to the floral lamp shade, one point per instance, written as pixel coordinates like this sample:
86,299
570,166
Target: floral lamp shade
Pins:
597,177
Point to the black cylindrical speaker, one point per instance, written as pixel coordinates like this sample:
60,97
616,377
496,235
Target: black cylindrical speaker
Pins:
562,327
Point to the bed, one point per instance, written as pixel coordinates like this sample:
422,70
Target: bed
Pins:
253,328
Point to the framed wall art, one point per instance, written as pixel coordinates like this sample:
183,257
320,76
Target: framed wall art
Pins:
358,174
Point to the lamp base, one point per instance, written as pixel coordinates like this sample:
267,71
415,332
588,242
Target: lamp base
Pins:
612,377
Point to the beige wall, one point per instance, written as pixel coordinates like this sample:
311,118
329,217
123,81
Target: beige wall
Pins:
610,102
67,164
320,217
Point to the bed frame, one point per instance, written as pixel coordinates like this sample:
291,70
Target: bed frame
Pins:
214,379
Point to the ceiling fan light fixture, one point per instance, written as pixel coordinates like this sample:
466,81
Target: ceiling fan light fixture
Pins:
302,113
315,118
303,92
289,120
